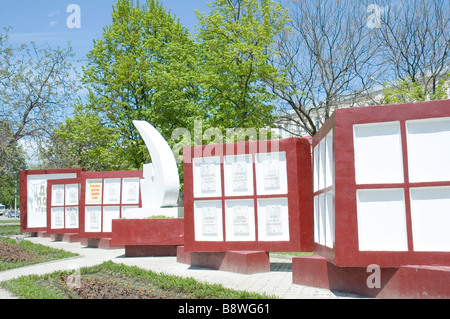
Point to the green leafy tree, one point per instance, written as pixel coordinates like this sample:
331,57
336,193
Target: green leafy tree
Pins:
141,69
72,147
236,40
148,67
12,160
408,91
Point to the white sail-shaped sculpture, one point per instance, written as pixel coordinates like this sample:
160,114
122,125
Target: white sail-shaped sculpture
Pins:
161,184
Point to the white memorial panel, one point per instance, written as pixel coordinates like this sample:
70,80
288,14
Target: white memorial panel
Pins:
316,219
381,219
322,164
428,150
57,195
72,217
273,219
329,160
72,194
37,197
130,192
207,177
57,217
208,222
110,213
430,217
316,168
240,220
322,219
329,219
93,219
378,153
238,174
94,191
126,209
271,173
111,193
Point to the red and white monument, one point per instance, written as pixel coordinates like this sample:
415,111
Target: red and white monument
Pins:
33,197
243,200
106,196
381,179
139,233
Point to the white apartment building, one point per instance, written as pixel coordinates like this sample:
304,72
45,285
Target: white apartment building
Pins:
287,124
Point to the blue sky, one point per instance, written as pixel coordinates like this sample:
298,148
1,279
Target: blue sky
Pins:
44,21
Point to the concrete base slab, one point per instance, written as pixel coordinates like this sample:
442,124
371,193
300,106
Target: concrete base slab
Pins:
405,282
183,257
71,238
57,237
43,234
150,251
242,262
102,243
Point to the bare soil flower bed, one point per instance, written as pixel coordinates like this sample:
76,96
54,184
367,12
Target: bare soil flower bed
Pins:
114,287
104,281
15,253
117,281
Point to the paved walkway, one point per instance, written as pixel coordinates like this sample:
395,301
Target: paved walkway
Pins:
277,282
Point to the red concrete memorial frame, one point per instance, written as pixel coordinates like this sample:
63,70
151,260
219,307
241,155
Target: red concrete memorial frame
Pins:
66,208
102,194
343,244
297,196
33,196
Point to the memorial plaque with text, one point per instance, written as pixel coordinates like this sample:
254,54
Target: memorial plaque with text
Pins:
63,205
34,201
107,196
249,196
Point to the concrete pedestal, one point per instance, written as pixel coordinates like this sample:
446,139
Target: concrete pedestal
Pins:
150,251
43,234
71,238
242,262
57,237
102,243
406,282
148,237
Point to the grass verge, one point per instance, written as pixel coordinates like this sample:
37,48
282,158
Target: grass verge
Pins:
6,229
117,281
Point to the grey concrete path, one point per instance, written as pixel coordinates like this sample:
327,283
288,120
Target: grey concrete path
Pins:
277,282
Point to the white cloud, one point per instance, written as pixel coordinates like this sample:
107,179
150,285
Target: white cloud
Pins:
53,13
53,23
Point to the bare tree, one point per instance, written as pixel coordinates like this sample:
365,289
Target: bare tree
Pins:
328,60
37,85
414,37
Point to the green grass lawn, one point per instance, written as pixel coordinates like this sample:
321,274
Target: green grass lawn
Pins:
117,281
10,221
7,230
106,281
